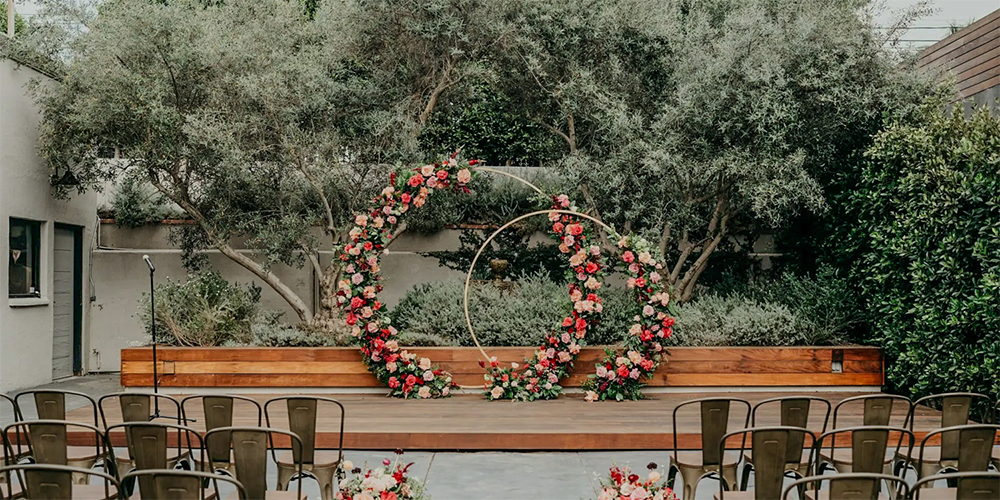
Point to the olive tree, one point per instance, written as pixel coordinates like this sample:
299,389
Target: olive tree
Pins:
259,119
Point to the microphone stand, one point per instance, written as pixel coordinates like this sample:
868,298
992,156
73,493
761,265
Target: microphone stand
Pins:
152,323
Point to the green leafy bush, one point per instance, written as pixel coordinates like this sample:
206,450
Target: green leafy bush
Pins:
925,238
134,203
273,334
205,310
433,314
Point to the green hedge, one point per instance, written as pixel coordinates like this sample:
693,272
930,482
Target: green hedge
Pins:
926,236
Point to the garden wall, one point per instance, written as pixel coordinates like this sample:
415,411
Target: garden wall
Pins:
342,366
120,277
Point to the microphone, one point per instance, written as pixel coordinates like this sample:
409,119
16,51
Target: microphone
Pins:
149,263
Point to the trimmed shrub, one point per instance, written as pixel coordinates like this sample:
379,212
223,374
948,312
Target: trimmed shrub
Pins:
205,310
926,242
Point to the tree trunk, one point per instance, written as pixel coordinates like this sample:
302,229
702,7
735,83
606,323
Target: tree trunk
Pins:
293,300
328,316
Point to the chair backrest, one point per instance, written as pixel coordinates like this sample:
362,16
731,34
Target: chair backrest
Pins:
768,446
53,482
250,447
794,412
851,486
868,445
138,406
714,414
46,440
15,412
147,446
301,412
877,409
971,485
973,445
956,408
173,484
50,404
15,416
218,411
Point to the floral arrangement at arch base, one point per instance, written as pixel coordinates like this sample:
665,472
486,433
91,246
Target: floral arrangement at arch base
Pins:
623,484
391,481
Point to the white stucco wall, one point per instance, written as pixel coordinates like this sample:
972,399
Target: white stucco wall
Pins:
26,324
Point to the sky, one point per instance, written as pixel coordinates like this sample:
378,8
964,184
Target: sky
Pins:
926,30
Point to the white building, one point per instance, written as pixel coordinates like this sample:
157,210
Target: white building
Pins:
44,285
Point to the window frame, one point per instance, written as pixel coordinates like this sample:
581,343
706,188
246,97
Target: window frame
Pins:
34,257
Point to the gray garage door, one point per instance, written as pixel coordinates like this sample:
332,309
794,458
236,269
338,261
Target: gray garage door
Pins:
62,303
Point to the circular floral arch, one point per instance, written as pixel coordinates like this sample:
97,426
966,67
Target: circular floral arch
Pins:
618,376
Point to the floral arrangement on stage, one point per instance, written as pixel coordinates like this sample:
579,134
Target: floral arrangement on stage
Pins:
623,484
620,375
388,482
540,375
404,374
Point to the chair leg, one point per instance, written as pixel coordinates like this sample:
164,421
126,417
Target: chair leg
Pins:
326,477
284,477
728,474
690,477
745,477
79,478
671,476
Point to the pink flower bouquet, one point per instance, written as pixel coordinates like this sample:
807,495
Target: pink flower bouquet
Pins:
623,484
388,482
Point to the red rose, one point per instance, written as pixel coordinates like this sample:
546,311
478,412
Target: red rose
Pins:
406,197
628,256
592,268
668,322
647,364
581,324
473,162
351,319
368,245
633,478
567,321
592,297
623,371
640,282
558,227
416,180
410,379
393,382
356,302
442,174
575,229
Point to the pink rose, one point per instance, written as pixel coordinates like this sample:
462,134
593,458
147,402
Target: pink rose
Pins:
357,278
563,200
428,375
464,176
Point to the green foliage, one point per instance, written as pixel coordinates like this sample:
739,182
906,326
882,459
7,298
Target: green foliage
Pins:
524,257
135,204
273,334
484,126
432,314
205,310
19,24
924,225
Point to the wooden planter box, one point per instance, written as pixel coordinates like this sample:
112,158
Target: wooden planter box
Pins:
342,367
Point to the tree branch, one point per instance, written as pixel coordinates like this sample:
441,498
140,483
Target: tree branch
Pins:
585,191
442,85
330,222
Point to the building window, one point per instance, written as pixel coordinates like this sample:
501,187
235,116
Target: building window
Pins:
23,267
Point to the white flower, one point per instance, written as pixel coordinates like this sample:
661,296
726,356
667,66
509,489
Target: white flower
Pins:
427,170
425,364
428,376
639,493
496,392
654,476
348,465
424,392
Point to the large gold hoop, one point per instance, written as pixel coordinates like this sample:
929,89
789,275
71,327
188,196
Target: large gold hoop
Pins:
468,276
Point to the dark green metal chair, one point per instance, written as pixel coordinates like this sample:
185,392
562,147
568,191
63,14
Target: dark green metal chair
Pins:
46,443
968,486
956,408
250,446
138,407
50,404
877,410
173,484
848,486
218,411
55,482
301,414
152,446
695,465
969,450
769,450
794,411
15,416
869,447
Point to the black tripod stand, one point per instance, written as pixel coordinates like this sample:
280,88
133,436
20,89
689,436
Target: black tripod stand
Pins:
152,323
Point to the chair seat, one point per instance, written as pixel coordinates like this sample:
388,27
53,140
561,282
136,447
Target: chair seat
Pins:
321,458
80,492
932,454
81,453
693,458
825,495
938,494
172,454
274,495
209,495
736,495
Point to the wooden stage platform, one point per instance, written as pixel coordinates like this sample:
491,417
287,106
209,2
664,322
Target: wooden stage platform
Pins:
470,423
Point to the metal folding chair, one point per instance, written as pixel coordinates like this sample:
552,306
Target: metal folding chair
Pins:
217,412
968,486
694,465
55,482
250,446
302,415
848,486
173,484
770,448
